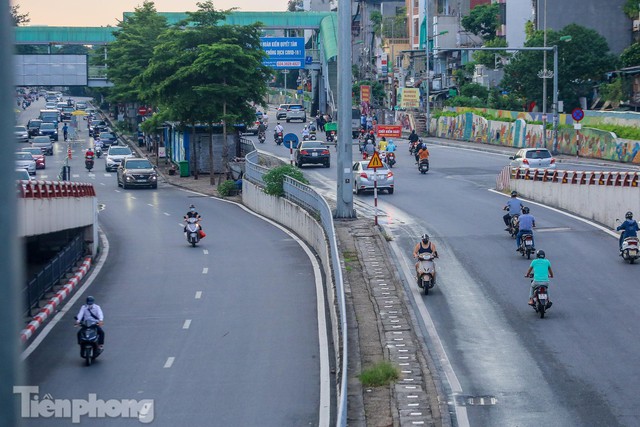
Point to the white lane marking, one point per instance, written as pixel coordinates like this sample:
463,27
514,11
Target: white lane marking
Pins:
150,204
95,270
550,229
186,324
169,362
205,270
198,294
205,251
116,190
181,225
102,183
167,214
75,175
132,197
586,221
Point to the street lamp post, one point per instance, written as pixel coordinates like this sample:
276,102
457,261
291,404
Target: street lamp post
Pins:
426,47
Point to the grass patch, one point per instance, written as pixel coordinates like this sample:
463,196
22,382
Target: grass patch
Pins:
381,374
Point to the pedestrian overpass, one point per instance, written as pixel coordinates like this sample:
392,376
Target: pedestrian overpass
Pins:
324,24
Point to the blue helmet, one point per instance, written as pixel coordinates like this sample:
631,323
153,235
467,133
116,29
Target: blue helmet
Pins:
90,300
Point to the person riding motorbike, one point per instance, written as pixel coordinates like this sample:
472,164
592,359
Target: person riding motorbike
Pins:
629,228
526,224
278,129
305,132
423,154
65,132
425,246
261,128
89,154
514,207
92,313
382,145
391,146
192,213
541,268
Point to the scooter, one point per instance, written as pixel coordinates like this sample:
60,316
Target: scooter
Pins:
98,151
88,340
526,245
88,163
513,227
425,272
261,137
192,231
278,137
423,166
331,136
391,159
629,251
312,135
541,301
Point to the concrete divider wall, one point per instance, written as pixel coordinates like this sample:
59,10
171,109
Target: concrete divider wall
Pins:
600,203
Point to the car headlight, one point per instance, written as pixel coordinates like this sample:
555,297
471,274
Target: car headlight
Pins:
153,177
128,178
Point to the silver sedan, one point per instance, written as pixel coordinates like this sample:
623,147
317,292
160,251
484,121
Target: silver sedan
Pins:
363,177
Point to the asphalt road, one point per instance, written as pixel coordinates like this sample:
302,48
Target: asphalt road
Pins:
501,364
222,334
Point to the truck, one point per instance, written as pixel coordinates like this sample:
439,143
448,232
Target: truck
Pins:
355,122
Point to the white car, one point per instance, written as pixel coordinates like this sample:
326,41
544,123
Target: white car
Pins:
296,112
25,161
363,178
539,158
115,155
22,175
21,133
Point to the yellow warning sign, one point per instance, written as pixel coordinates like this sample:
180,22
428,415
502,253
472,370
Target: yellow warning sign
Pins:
375,161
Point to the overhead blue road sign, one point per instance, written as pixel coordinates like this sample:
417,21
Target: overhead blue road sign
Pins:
283,52
290,139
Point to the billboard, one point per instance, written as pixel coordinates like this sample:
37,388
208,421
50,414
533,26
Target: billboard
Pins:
51,70
284,53
365,93
390,131
409,97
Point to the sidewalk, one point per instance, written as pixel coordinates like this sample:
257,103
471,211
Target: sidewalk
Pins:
381,326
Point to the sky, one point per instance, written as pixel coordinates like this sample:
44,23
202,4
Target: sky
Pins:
92,13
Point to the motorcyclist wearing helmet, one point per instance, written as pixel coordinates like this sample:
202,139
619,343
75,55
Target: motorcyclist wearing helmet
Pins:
262,128
391,146
192,213
92,313
526,224
305,132
425,245
514,207
541,269
383,144
629,228
278,129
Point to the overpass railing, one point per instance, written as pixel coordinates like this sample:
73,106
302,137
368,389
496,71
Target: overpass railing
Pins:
51,274
306,197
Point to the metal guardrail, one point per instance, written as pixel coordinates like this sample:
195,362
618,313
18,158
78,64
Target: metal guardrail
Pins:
51,273
305,196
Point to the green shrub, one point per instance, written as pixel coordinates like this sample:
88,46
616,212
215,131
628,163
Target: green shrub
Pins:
624,132
378,375
227,188
275,177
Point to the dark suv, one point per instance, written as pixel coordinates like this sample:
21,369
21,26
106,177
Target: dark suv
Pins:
137,172
34,127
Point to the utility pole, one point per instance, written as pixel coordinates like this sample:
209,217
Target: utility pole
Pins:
426,47
544,78
344,196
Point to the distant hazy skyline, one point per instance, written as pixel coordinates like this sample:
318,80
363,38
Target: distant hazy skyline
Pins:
87,13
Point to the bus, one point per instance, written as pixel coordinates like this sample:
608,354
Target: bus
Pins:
355,121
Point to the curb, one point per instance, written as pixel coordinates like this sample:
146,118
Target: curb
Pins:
55,301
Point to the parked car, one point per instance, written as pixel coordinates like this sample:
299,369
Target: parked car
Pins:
296,112
22,175
25,161
137,172
115,156
312,152
50,130
108,139
363,177
44,143
33,126
36,153
281,111
21,133
533,158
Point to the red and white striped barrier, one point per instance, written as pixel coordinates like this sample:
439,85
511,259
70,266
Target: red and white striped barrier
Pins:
55,301
54,189
613,179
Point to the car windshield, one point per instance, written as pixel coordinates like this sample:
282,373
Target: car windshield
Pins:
138,164
538,154
307,145
41,139
107,135
45,126
23,174
34,150
20,129
24,156
283,106
35,123
119,151
296,107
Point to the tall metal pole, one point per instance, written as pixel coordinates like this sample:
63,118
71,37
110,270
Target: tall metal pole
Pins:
544,79
11,255
555,99
426,47
344,196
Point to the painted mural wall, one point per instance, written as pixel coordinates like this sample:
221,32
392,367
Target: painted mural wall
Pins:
587,142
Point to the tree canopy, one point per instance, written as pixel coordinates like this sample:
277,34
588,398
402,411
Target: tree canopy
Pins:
18,18
483,20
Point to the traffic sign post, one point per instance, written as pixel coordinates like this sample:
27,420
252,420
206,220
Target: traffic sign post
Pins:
374,164
290,141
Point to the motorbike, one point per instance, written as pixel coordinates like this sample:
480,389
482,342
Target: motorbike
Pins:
261,137
423,166
278,137
88,163
526,245
629,251
425,272
391,159
192,231
305,137
88,340
513,225
98,151
541,301
312,135
331,136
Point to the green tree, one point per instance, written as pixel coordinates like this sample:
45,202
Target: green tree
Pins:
488,57
129,55
613,92
377,92
630,57
582,64
631,8
18,18
474,90
483,21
